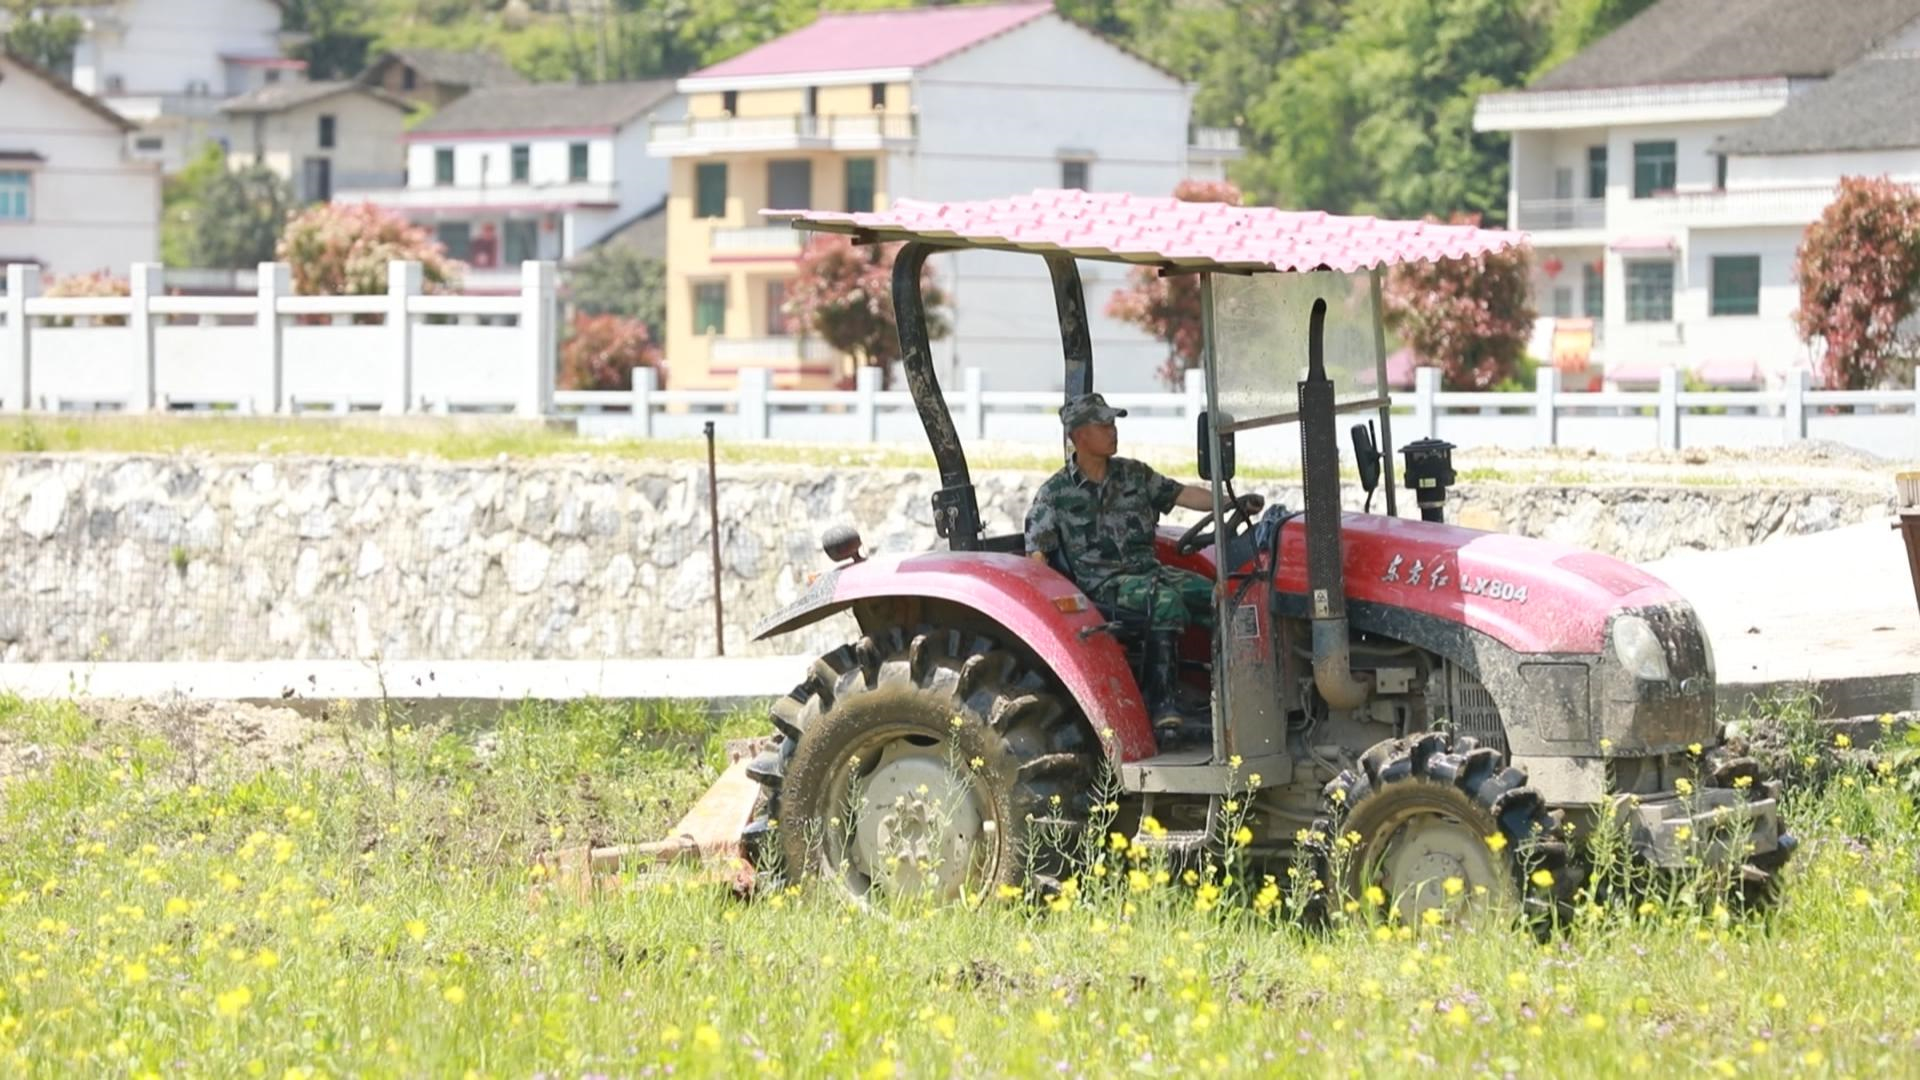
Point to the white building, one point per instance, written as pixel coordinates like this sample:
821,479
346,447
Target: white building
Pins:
505,174
320,136
861,110
1667,174
71,200
167,65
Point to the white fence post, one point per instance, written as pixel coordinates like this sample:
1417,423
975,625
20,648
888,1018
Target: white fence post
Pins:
144,283
973,386
23,284
866,409
1546,406
1794,412
403,283
1669,410
539,327
1426,410
753,384
645,381
276,281
1195,385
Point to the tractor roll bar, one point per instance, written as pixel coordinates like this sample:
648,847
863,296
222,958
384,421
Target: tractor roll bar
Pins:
1076,340
956,511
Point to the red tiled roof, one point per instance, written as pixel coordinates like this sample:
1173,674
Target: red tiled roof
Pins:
1146,229
858,41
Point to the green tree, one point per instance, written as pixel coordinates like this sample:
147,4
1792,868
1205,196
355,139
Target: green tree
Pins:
47,38
1380,118
241,216
181,196
337,35
614,279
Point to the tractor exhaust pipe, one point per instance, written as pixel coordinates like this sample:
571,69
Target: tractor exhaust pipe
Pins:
1326,577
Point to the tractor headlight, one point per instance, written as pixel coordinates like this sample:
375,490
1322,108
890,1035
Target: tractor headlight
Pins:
1638,649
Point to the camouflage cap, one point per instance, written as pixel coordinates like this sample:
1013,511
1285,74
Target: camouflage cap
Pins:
1088,409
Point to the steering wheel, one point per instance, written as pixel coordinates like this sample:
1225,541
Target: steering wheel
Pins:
1200,534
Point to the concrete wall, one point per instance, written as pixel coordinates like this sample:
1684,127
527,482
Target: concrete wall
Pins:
150,558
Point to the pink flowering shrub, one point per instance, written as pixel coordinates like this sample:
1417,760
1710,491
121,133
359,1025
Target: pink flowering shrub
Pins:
1469,317
1859,270
339,249
602,351
844,294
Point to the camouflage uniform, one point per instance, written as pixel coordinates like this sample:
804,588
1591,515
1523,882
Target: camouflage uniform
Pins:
1103,534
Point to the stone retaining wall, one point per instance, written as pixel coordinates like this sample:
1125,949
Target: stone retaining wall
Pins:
147,558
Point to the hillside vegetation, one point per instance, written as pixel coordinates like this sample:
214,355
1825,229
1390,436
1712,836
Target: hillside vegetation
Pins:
1362,106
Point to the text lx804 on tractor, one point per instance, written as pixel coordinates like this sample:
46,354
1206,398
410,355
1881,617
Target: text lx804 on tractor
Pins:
1462,703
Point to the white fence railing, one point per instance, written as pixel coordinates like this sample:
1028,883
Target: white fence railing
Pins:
270,352
1545,214
1884,422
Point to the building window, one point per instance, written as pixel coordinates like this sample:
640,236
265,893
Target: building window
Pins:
577,161
877,95
149,144
710,195
326,132
521,240
1073,175
1719,172
520,159
1596,172
408,80
272,75
316,179
776,309
813,101
730,102
456,237
790,185
443,167
1563,301
1654,168
1593,288
1649,291
860,174
15,188
710,307
1736,285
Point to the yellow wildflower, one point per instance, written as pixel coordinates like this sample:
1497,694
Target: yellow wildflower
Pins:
455,995
1542,878
1497,842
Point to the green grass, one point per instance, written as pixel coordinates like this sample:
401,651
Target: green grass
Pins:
380,919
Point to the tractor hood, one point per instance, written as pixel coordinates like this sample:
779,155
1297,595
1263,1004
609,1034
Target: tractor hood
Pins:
1532,596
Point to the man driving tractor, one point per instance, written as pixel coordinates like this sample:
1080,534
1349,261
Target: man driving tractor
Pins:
1097,515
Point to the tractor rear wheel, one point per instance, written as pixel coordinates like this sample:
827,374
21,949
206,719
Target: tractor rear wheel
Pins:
1440,823
924,762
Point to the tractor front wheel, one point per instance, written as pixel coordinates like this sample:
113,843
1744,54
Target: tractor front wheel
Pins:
1437,823
925,762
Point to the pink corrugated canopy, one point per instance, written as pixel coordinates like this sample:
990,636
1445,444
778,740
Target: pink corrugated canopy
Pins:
857,41
1165,231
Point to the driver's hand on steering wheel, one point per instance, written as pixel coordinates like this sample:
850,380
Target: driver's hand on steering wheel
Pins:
1252,504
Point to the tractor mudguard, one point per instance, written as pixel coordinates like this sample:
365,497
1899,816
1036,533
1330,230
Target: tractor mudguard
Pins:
1035,607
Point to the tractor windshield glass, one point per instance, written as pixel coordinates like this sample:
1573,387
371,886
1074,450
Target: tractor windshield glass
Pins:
1260,340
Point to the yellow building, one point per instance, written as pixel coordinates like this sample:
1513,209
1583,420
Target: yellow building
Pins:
863,109
737,153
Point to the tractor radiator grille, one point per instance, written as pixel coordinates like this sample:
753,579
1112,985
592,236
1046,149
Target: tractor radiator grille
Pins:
1470,709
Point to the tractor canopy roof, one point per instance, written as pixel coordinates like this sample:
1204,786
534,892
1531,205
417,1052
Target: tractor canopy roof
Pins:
1162,231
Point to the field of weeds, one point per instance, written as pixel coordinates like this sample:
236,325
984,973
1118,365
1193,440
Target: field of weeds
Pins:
170,910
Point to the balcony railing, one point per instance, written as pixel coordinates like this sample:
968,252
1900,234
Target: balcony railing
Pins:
850,131
492,196
766,240
1214,140
1796,205
1526,108
1545,215
770,351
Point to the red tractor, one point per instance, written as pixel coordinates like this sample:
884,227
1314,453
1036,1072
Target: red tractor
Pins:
1464,703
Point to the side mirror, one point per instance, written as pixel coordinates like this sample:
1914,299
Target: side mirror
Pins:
1366,456
1205,449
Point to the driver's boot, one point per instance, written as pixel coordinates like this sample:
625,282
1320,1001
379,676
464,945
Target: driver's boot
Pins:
1163,679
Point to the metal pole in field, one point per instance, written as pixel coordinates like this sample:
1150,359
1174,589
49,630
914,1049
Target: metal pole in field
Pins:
713,518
